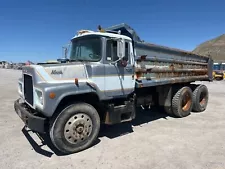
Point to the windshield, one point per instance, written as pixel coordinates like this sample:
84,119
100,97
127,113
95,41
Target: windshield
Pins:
88,49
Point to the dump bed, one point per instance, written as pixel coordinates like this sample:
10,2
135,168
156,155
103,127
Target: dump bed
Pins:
156,65
159,65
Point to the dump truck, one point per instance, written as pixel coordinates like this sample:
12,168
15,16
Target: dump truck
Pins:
109,73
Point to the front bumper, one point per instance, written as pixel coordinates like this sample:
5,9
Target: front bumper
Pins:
31,119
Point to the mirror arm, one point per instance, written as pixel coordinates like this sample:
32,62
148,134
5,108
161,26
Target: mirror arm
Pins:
114,62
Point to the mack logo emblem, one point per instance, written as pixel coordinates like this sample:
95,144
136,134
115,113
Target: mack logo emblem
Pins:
57,72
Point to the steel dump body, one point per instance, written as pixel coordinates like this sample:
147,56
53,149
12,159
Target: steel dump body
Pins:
159,65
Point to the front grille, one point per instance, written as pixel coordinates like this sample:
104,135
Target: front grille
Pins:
28,89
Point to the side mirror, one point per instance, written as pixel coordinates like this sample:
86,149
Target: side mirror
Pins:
120,48
122,63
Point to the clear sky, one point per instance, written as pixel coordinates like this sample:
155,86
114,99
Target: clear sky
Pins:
37,30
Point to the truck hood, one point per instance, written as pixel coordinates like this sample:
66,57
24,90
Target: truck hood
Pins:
57,73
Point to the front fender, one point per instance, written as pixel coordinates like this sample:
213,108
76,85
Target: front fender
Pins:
61,91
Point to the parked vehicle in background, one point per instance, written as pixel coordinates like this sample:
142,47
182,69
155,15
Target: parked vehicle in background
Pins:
8,65
108,75
15,66
223,68
219,70
18,66
1,64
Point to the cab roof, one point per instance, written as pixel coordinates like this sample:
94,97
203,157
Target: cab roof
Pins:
88,32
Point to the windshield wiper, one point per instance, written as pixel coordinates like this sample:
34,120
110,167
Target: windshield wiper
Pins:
73,60
80,60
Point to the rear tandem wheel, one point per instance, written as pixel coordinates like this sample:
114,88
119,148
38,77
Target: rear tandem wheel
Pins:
182,102
200,98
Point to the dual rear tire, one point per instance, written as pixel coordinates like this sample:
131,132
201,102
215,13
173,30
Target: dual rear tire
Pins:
200,98
182,102
186,100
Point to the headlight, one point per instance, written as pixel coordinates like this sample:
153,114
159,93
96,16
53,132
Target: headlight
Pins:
39,97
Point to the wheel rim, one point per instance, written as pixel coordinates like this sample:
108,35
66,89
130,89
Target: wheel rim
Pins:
78,128
186,102
202,98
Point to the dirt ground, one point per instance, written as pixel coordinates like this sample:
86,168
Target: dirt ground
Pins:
154,140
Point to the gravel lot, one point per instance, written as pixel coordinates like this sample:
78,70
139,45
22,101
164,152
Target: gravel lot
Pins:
153,141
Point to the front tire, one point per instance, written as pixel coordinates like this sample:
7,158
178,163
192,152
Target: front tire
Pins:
75,128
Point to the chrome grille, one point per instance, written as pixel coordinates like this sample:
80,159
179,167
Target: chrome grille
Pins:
28,89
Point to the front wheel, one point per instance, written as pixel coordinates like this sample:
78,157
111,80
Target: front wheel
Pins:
75,128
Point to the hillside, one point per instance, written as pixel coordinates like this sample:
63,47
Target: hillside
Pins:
215,47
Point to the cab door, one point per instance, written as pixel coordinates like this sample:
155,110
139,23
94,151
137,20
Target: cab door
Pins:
119,79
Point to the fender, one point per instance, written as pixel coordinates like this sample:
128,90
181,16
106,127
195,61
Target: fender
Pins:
63,90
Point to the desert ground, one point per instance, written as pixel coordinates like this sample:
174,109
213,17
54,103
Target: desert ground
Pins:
153,140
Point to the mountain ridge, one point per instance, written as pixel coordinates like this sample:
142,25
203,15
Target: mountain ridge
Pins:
214,47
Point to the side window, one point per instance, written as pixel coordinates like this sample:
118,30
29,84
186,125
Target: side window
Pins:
126,51
111,50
